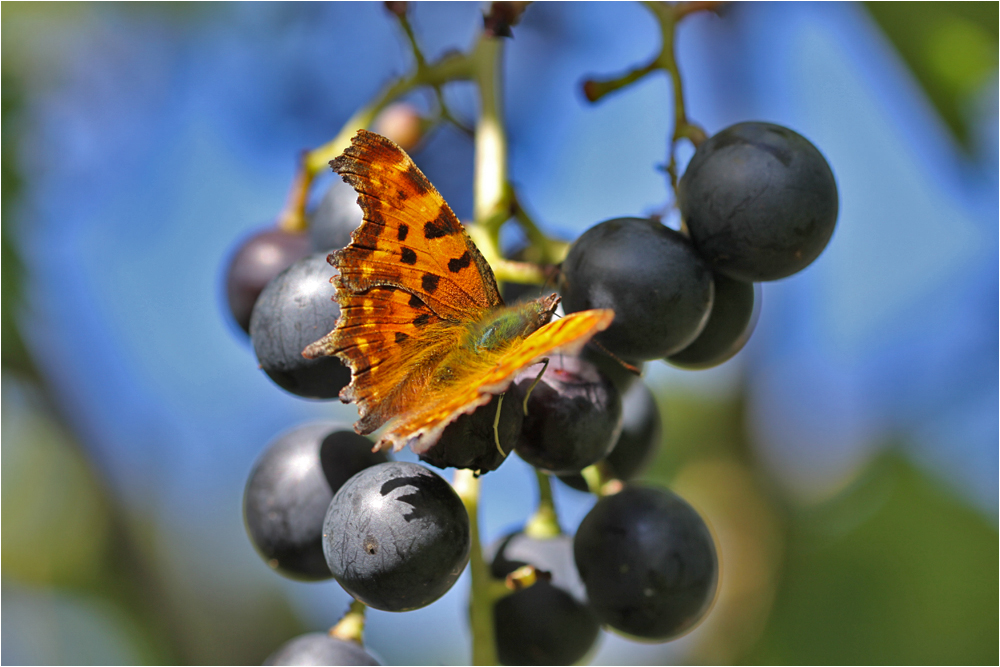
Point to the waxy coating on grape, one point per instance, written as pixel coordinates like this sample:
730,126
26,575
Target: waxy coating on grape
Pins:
574,416
294,310
396,536
290,489
255,263
759,201
650,275
335,218
469,441
642,432
732,320
648,561
319,648
548,623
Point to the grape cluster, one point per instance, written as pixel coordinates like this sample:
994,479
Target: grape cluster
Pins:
758,202
279,292
550,622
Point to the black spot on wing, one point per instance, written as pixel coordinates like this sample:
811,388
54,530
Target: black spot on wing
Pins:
400,337
443,225
415,301
402,231
429,282
418,180
407,256
456,265
421,320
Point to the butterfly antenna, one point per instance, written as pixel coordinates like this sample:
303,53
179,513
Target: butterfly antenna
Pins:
552,274
624,364
545,364
496,427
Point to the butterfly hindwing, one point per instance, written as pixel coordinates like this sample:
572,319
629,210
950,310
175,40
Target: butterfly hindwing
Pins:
422,426
391,340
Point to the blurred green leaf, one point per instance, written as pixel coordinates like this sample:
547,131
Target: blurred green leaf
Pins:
51,500
896,571
951,47
14,354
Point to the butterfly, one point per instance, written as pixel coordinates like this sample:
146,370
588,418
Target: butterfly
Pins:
422,324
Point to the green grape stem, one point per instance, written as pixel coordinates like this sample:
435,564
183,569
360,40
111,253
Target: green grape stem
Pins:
485,589
601,480
544,523
489,192
668,15
352,626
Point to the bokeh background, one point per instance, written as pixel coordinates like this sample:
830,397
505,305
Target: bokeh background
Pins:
847,459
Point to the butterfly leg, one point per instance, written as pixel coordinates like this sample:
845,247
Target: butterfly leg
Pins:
496,426
624,364
545,364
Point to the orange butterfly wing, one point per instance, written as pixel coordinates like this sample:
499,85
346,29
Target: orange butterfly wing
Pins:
392,341
488,374
411,286
409,237
409,275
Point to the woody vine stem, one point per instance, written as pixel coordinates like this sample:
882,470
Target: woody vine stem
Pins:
495,203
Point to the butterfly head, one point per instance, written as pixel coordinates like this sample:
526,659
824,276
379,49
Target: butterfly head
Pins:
547,306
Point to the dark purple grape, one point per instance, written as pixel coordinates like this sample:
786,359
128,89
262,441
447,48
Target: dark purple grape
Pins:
642,432
548,623
469,442
319,648
650,275
294,310
396,536
290,489
732,320
574,416
335,218
256,261
612,368
648,561
759,200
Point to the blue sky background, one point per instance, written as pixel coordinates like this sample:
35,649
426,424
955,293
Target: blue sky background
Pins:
155,143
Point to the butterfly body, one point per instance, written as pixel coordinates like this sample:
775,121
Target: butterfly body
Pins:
422,324
509,324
